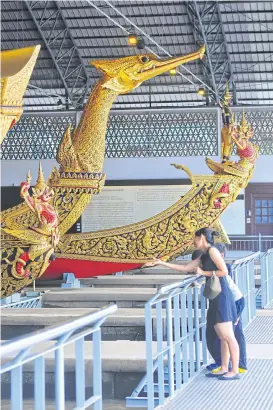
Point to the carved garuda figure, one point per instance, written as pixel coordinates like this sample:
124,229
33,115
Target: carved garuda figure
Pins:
227,119
247,151
27,252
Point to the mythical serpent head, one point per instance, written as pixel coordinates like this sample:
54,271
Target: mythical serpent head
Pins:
125,74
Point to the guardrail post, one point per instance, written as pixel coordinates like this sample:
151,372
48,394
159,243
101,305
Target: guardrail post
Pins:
149,355
16,388
196,329
80,373
203,329
159,340
97,369
249,302
267,278
39,383
59,379
260,242
170,345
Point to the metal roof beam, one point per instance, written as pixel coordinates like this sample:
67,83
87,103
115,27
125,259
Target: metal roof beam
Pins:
208,28
156,83
46,24
128,21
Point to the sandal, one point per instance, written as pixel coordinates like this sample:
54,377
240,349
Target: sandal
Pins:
235,377
215,375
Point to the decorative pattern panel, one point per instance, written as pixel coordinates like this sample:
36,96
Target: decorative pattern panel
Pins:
147,134
262,123
36,136
162,134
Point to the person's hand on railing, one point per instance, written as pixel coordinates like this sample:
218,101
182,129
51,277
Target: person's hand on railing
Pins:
154,262
198,271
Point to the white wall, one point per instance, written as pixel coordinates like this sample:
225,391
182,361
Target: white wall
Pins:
121,168
13,172
233,219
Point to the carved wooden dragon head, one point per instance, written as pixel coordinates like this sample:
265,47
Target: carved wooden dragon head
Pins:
125,74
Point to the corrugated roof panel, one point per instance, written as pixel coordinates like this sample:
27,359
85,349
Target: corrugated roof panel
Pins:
248,28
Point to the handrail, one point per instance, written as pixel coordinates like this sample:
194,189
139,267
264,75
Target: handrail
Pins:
266,278
268,252
247,258
250,236
16,353
54,331
27,301
181,284
250,243
171,334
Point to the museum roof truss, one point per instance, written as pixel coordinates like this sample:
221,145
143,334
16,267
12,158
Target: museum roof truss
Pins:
238,38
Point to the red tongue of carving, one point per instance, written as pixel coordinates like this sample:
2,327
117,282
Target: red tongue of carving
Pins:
12,123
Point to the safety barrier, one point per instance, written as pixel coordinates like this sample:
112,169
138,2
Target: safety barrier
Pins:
266,278
244,276
251,243
175,327
30,300
16,353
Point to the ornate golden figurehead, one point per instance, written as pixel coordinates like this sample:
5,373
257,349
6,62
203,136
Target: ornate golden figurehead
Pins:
85,147
16,69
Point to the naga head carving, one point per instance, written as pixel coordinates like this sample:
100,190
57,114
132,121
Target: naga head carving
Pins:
127,73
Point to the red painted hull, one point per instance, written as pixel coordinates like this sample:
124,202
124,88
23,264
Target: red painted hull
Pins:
84,268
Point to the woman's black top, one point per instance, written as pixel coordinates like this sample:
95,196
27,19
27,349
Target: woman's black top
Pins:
222,308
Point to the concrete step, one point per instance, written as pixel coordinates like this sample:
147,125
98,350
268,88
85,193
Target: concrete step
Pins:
96,297
125,324
123,366
139,281
136,280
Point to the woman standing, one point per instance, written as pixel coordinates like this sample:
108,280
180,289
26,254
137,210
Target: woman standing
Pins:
222,311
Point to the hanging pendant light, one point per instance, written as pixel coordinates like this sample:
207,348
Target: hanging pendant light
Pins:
201,91
132,40
173,71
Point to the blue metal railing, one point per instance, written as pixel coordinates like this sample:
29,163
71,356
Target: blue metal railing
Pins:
14,354
266,278
244,276
30,300
174,341
251,243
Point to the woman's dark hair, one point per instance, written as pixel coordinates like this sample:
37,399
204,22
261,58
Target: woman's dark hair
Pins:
208,233
221,248
196,254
